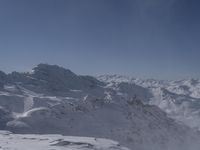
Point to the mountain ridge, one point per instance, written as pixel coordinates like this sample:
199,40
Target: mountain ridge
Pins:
86,106
179,98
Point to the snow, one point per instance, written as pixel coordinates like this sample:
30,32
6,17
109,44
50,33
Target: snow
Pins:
76,90
28,103
179,98
138,113
9,141
34,111
11,88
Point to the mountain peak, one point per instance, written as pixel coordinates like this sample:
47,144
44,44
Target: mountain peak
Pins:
51,79
51,68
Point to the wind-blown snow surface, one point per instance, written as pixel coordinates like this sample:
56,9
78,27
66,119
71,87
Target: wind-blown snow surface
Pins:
9,141
54,100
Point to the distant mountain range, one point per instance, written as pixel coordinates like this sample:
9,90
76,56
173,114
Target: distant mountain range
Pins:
180,99
140,114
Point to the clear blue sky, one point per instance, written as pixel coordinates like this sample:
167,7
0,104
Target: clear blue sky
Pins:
142,38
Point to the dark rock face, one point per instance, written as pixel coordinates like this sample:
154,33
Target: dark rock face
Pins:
5,116
56,78
132,90
3,79
51,79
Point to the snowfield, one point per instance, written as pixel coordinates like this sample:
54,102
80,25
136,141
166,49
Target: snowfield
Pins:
9,141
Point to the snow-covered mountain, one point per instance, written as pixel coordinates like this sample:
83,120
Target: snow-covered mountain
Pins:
180,99
54,100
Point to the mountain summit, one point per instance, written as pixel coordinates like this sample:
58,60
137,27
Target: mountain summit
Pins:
50,79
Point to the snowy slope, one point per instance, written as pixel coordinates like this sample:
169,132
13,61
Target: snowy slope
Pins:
9,141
